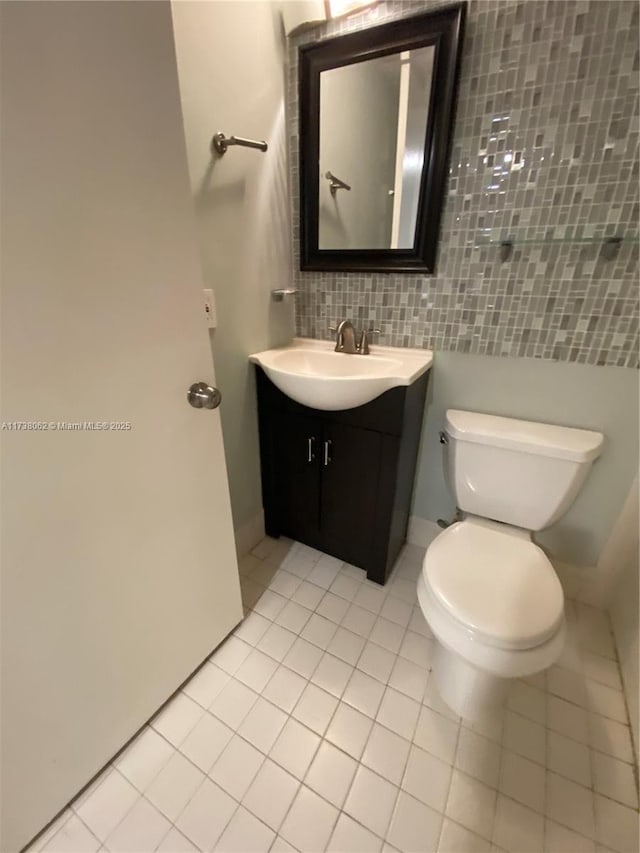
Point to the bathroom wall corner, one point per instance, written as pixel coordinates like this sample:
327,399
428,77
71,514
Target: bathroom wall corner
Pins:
620,565
621,546
241,210
248,535
421,531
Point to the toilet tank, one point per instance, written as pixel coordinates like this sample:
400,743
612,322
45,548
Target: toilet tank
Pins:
519,472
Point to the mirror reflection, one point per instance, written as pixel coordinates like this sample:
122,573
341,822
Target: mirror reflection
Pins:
373,125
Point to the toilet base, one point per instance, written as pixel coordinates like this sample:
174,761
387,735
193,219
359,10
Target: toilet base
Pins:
469,692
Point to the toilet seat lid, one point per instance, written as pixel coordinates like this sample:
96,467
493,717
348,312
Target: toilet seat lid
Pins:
496,584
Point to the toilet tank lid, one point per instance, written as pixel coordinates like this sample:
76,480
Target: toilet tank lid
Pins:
578,445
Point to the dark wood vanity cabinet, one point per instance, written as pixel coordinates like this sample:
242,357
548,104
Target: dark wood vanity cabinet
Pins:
341,481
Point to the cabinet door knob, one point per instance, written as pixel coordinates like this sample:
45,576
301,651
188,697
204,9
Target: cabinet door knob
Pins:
310,443
327,453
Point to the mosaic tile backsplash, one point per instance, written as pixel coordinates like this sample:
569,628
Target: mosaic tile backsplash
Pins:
545,150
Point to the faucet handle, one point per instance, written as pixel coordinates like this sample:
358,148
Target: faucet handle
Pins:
363,343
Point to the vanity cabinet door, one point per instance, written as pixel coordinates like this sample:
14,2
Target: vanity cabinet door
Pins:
341,481
350,463
298,449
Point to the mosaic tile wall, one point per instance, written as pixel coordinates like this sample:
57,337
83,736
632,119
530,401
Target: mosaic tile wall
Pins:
545,147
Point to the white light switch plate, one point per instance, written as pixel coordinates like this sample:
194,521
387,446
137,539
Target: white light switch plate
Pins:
210,308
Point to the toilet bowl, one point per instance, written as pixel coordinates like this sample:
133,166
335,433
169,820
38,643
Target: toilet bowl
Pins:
489,594
495,605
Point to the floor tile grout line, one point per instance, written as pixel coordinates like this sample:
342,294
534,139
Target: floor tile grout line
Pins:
548,692
359,764
354,667
453,769
545,794
175,748
386,686
406,630
73,813
361,583
359,761
242,806
406,764
635,769
322,738
207,777
300,785
49,832
206,774
569,736
593,794
172,827
124,816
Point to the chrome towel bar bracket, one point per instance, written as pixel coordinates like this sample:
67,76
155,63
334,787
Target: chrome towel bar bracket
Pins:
220,143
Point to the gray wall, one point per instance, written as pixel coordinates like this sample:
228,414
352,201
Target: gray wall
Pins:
359,109
604,399
554,87
230,63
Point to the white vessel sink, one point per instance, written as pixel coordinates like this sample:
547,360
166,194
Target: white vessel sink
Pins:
313,374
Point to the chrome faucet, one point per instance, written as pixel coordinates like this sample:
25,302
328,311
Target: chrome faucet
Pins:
346,338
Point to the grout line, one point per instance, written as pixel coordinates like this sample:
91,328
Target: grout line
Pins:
323,737
353,667
446,801
545,785
49,832
634,747
89,830
124,816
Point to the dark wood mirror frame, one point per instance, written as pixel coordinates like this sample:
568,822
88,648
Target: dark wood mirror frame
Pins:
442,28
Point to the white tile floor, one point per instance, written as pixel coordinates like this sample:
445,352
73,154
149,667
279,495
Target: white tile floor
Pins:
316,726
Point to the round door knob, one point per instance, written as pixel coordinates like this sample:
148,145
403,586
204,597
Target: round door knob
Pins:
203,396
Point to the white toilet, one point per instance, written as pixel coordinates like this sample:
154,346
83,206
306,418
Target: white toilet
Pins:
490,595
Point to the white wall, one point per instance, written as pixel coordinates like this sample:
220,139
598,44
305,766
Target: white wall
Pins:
298,13
231,69
619,561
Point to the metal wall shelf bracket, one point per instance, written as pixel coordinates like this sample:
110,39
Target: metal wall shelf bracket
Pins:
506,250
610,248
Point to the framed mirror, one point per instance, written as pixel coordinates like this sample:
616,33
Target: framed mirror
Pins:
376,116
